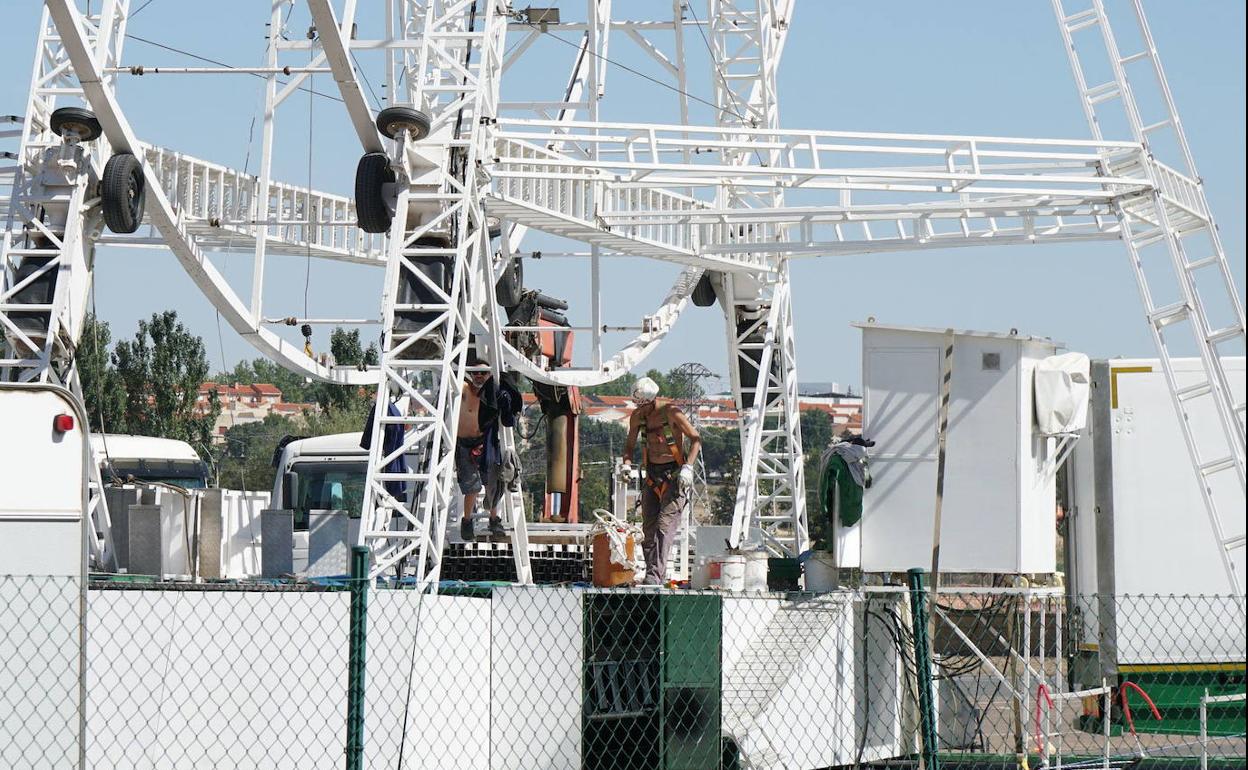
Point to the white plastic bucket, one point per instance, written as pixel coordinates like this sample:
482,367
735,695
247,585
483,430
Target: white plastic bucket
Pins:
820,571
727,572
756,571
701,577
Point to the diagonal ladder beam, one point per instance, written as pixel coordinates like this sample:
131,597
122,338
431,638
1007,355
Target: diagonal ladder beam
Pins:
1190,309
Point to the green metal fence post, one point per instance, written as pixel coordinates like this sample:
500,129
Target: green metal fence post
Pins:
357,636
923,665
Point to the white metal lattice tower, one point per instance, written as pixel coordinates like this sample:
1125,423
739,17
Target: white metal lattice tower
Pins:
48,245
747,38
714,199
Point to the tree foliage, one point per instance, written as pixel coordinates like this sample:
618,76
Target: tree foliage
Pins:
671,385
103,393
347,350
293,386
148,386
162,369
245,461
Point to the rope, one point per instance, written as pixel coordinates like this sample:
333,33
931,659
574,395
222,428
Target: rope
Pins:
307,272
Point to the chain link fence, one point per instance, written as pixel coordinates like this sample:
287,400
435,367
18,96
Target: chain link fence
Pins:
272,675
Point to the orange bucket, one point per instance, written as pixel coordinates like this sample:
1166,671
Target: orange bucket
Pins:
608,574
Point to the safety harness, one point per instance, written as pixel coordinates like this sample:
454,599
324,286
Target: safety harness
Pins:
660,485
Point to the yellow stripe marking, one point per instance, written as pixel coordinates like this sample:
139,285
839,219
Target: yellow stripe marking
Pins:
1113,380
1161,668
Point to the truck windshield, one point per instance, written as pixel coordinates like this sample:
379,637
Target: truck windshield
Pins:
189,474
327,486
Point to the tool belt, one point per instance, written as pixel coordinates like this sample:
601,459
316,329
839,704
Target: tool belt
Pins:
660,478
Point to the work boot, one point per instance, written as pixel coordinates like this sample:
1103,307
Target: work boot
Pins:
465,529
496,527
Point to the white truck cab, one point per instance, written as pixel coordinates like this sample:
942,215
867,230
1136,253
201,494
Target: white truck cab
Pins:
322,473
149,459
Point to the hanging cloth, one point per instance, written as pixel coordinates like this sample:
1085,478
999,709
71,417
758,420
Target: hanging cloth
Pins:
842,480
392,439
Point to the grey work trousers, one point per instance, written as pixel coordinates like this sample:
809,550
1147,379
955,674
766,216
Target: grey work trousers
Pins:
662,503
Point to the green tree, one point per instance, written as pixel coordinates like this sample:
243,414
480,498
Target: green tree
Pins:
671,385
103,393
245,461
720,447
817,430
622,386
348,418
161,370
294,387
347,351
724,500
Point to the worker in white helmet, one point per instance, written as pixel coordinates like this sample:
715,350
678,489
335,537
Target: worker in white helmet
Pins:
668,472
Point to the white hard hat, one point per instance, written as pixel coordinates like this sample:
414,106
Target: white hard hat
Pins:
645,390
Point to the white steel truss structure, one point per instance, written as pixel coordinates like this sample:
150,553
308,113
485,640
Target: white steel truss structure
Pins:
711,199
747,37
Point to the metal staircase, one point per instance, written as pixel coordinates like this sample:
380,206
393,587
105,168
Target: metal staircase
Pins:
1170,223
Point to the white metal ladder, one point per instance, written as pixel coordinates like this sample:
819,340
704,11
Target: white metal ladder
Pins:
1175,210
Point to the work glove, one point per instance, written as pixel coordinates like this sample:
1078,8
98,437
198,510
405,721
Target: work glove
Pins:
626,469
686,477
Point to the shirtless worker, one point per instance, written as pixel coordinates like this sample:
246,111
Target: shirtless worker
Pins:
475,465
668,469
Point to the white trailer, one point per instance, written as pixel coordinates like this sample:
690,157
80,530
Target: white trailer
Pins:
1137,523
999,511
44,464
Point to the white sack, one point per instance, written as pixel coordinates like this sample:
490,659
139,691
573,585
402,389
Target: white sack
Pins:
1061,384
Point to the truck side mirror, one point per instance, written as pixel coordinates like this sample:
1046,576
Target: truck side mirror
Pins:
290,484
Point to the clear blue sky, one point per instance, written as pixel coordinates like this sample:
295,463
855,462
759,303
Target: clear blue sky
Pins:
966,67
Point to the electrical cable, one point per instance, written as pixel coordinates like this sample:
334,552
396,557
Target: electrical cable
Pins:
242,478
139,10
636,72
719,70
99,388
411,670
723,78
359,69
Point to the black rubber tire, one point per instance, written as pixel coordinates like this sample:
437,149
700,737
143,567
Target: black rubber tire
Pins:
122,192
77,119
372,211
393,120
704,293
510,287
